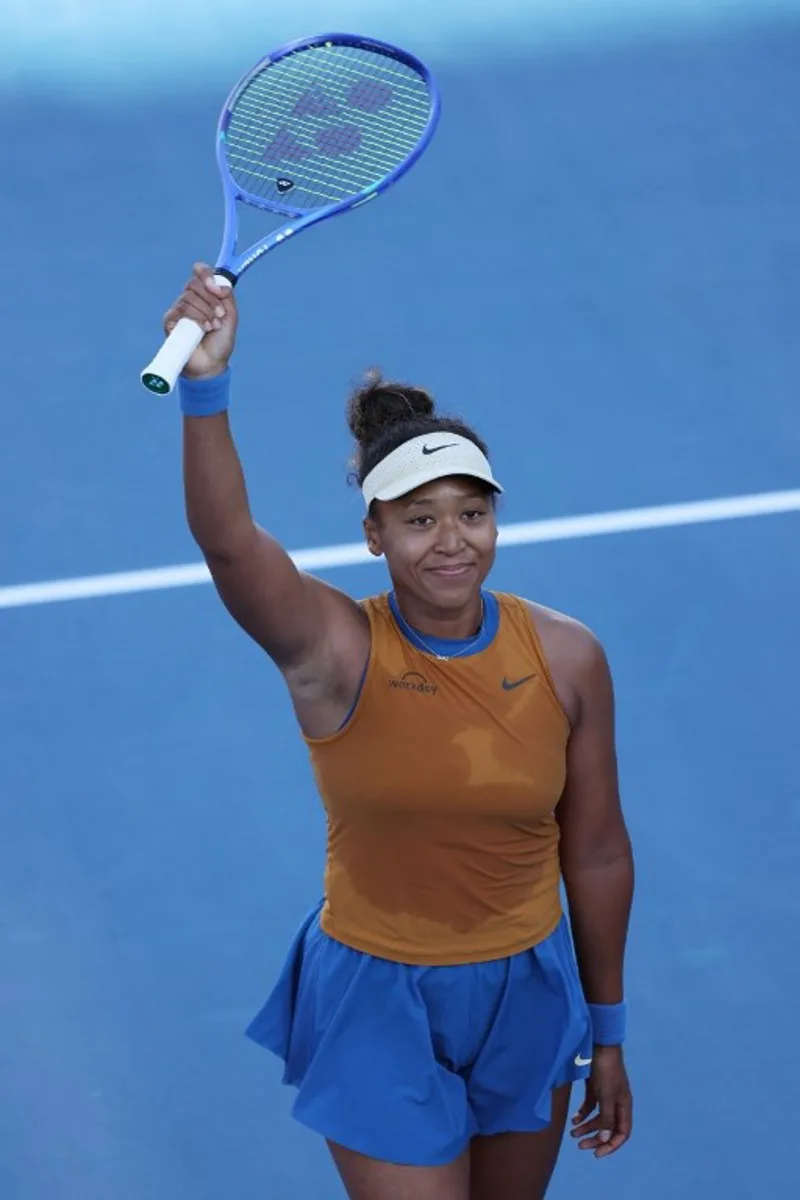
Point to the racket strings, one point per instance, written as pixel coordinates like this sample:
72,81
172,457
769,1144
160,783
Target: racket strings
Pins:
274,102
369,161
329,122
406,86
344,182
395,141
402,87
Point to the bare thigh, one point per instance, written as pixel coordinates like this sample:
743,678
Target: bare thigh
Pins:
518,1166
371,1179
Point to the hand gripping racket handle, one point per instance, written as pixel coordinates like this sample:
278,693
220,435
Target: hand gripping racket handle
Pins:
162,373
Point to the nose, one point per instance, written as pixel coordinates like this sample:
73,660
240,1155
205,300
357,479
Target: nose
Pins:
450,540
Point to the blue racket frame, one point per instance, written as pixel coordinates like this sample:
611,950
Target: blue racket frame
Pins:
231,265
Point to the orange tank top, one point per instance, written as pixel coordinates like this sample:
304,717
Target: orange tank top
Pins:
440,793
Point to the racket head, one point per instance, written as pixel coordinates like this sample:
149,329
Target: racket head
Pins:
320,126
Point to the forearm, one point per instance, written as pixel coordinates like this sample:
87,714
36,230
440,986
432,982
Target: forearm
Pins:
599,897
217,507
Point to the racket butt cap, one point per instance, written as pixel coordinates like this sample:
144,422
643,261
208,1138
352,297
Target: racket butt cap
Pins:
156,383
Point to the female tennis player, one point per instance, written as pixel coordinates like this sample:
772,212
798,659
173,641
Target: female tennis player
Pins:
432,1012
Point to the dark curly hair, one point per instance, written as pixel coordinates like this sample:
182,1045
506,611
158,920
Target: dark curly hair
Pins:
382,415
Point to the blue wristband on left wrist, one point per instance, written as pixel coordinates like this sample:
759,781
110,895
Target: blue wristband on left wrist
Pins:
205,397
608,1023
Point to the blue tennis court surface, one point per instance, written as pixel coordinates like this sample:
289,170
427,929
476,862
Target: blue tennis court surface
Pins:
598,262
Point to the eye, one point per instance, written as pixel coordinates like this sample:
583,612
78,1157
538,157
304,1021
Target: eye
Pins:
474,514
421,522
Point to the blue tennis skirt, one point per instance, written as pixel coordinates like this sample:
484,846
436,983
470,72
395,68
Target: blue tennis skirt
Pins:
406,1063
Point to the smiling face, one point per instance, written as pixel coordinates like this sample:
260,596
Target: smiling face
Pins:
439,542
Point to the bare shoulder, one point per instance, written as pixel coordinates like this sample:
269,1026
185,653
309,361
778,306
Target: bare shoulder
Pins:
575,656
565,634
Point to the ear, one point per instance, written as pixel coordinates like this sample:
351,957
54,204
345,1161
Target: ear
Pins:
373,537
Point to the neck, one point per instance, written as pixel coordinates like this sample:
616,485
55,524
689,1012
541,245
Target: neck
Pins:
456,623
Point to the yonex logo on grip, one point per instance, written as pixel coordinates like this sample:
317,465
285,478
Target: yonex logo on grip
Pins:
413,681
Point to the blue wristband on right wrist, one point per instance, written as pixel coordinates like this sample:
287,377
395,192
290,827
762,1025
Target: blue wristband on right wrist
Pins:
608,1023
205,397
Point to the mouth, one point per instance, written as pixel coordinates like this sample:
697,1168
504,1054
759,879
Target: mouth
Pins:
452,571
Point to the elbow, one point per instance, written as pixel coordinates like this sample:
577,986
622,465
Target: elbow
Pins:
612,853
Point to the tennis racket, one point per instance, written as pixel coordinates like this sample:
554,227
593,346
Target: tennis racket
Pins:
315,129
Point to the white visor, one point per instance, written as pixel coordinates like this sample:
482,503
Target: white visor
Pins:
423,459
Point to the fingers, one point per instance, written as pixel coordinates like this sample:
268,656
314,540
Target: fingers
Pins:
585,1128
588,1106
204,301
620,1130
607,1117
608,1130
603,1122
205,275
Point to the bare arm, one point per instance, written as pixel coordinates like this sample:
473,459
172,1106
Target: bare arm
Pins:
297,619
595,851
597,868
596,857
256,579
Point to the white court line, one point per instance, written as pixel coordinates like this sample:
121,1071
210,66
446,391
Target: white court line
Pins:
349,554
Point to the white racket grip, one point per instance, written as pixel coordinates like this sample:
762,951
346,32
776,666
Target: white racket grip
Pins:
161,375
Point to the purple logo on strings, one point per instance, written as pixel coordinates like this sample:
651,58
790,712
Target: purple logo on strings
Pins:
314,103
366,95
334,141
339,139
285,146
369,95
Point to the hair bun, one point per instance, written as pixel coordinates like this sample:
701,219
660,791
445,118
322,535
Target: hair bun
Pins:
378,404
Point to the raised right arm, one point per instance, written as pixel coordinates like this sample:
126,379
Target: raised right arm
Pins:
312,632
